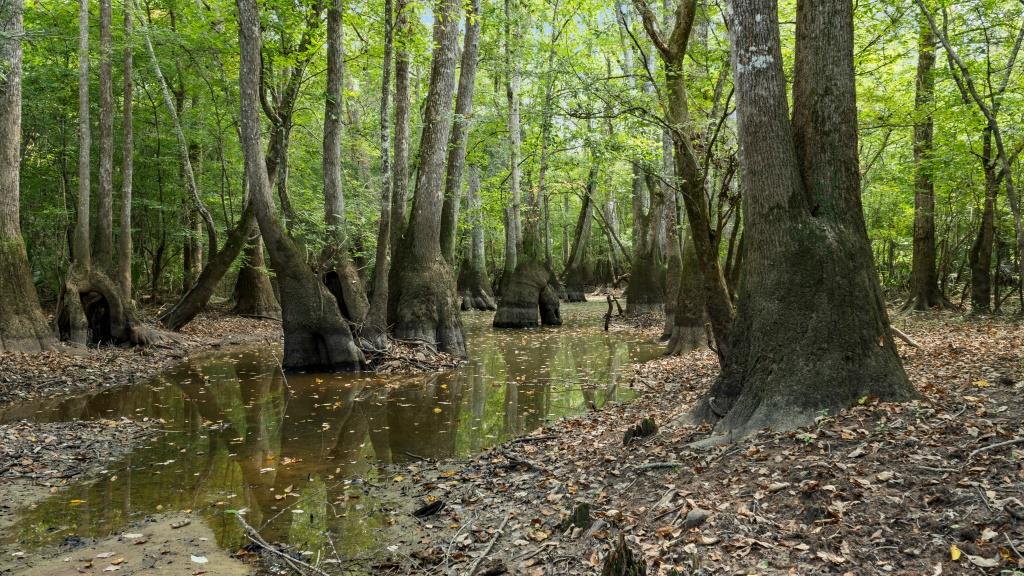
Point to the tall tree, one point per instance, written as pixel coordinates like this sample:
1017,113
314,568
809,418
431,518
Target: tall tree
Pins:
689,174
924,282
809,296
422,285
460,132
513,216
342,274
375,328
474,284
400,174
315,334
124,246
103,245
22,325
90,306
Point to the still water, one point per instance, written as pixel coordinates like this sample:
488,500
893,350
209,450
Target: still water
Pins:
308,455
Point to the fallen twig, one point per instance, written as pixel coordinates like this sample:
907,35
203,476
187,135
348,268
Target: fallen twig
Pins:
994,446
294,563
490,546
659,465
903,336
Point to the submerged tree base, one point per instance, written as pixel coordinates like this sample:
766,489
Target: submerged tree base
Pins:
426,308
475,289
530,300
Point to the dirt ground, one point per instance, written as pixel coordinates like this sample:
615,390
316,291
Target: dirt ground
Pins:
167,545
934,486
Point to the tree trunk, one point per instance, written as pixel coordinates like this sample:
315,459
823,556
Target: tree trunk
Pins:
515,135
474,286
254,293
645,293
576,271
103,244
315,334
688,317
924,286
124,248
812,335
460,132
400,181
350,294
22,325
981,251
375,329
81,251
426,306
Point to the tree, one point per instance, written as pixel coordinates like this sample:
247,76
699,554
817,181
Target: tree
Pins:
460,132
315,334
103,246
422,285
924,284
90,307
22,325
474,284
124,246
400,173
576,270
342,273
812,334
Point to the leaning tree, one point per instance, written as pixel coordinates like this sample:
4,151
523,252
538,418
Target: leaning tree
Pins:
811,334
315,334
22,325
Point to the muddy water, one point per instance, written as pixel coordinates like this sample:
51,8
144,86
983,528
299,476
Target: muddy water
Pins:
306,455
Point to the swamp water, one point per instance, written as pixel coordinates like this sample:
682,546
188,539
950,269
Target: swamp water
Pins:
311,458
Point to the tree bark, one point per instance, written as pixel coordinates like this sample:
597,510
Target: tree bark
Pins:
980,257
460,132
426,306
103,243
351,295
576,272
645,292
253,292
400,179
315,334
124,247
474,285
23,327
375,329
812,334
924,285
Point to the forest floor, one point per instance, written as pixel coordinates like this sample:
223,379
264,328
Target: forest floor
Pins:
934,486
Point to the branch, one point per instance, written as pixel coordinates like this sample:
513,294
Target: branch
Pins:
653,30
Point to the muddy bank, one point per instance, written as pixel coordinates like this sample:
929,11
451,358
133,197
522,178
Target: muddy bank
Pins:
162,545
927,487
25,377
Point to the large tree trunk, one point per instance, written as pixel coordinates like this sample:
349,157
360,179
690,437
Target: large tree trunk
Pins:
375,328
812,334
342,276
124,247
315,334
103,244
426,306
22,325
576,271
460,132
980,257
924,285
400,180
474,285
513,213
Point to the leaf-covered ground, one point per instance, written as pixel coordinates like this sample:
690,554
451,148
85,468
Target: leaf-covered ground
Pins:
927,487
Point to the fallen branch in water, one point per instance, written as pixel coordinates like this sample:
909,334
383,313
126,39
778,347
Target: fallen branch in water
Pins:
294,563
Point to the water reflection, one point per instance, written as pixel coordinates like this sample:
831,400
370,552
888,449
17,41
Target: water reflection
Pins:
304,455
